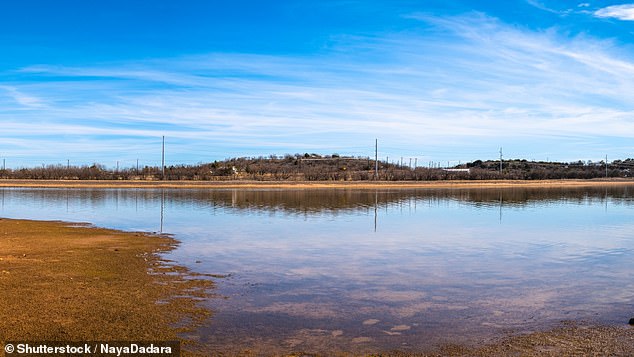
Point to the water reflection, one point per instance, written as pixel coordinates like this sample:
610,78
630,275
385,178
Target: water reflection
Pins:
318,201
366,270
162,209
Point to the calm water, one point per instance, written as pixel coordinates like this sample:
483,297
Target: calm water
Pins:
368,270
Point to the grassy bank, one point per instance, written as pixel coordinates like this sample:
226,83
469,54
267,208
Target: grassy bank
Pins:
59,282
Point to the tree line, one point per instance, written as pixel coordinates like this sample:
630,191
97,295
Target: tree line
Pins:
314,167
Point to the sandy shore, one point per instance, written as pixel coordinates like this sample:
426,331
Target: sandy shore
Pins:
316,184
71,283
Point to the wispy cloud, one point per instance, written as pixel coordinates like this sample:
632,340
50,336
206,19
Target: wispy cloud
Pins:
458,89
622,12
539,5
22,99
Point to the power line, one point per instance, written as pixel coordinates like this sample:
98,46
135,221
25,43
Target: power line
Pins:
376,159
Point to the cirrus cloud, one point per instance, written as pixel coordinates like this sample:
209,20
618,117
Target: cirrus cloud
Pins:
623,12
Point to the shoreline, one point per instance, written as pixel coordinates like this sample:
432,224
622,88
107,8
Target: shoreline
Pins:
457,184
74,282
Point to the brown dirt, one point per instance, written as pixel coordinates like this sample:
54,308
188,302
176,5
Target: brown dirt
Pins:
73,283
315,184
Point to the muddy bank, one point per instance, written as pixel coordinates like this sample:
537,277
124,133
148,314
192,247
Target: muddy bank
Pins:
62,282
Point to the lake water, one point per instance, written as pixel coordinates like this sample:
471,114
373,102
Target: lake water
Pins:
323,270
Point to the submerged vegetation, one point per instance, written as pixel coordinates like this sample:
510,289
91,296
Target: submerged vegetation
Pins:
313,167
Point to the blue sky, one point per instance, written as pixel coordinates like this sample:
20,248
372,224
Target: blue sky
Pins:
102,81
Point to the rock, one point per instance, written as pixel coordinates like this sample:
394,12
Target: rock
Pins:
632,321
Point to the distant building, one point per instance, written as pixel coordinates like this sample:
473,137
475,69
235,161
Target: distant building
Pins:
458,170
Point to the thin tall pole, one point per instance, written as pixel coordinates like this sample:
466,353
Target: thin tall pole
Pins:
163,160
376,159
500,160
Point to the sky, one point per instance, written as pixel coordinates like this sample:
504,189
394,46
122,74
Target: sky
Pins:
86,82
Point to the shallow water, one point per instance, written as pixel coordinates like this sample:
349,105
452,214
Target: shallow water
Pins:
365,270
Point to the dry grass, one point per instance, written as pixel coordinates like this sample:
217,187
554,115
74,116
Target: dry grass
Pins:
80,283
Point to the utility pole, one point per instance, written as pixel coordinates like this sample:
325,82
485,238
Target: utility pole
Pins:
410,162
376,159
500,160
163,160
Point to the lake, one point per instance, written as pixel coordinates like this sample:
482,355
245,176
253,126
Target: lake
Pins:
361,270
